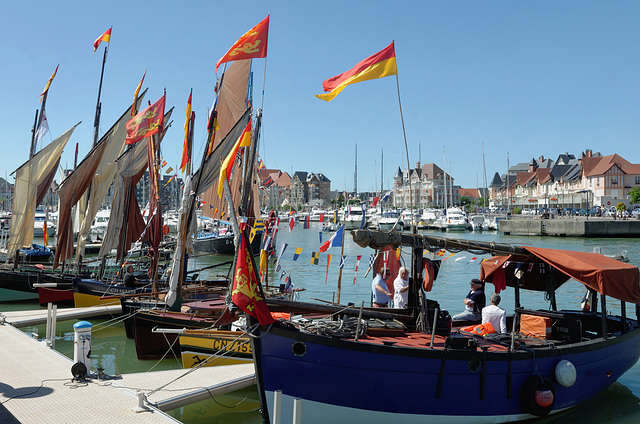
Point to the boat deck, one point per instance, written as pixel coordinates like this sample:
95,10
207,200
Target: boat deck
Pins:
37,387
420,340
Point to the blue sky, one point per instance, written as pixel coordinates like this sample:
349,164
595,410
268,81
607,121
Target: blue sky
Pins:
527,78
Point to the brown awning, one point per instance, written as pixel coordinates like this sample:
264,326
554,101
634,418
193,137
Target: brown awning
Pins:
605,275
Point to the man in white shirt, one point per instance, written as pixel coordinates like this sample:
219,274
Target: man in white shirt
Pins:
495,315
401,288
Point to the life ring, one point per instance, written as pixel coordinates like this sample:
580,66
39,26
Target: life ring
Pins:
538,395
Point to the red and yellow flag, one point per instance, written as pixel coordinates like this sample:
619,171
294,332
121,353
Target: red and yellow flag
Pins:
106,37
135,95
245,294
46,233
379,65
46,87
251,45
146,123
225,170
185,146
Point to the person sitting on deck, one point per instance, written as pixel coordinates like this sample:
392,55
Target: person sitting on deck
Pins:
379,291
495,315
474,302
129,279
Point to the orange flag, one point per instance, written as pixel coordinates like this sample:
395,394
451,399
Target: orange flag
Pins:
251,45
185,147
146,123
245,294
46,87
106,37
225,170
379,65
135,95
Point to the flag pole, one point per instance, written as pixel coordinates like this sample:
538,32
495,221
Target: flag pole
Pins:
340,272
406,149
96,121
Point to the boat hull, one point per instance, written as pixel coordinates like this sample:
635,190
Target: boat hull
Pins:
359,382
87,292
215,349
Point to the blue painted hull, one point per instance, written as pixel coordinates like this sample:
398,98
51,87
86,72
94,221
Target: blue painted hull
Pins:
366,382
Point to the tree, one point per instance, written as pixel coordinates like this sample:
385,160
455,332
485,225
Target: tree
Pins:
635,195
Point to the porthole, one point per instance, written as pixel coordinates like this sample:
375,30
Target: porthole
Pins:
299,348
474,364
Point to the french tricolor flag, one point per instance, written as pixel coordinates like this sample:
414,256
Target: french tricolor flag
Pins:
334,241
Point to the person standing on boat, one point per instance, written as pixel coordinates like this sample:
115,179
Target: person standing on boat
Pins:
401,288
474,302
129,279
379,292
495,315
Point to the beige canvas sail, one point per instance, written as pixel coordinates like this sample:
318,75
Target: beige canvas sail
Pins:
32,182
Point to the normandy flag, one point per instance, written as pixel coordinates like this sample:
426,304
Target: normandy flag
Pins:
379,65
146,123
253,44
106,37
245,294
225,170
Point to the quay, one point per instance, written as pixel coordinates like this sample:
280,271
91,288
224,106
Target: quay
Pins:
39,316
37,386
570,227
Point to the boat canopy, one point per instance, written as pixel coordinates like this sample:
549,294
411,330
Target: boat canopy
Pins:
605,275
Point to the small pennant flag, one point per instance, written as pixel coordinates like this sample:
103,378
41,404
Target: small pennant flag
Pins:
460,258
441,252
282,275
320,236
306,223
292,223
357,264
472,260
530,268
296,255
315,258
322,217
328,262
283,247
288,288
343,259
164,163
46,87
449,256
372,259
505,264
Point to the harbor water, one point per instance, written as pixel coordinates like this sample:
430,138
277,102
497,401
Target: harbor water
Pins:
115,354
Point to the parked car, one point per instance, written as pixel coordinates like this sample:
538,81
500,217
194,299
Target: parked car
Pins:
635,213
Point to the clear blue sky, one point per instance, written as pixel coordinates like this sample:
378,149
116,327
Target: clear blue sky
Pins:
529,78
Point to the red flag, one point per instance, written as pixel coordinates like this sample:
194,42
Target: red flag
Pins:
227,166
106,37
379,65
185,146
328,262
375,201
245,294
146,123
321,217
292,223
251,45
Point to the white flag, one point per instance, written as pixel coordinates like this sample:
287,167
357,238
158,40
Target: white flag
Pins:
42,130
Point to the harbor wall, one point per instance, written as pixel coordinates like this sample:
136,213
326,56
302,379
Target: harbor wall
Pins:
571,227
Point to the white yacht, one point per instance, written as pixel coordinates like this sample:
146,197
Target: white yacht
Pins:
453,220
354,219
38,225
100,223
389,219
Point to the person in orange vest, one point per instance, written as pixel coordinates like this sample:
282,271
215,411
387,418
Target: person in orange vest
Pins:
495,315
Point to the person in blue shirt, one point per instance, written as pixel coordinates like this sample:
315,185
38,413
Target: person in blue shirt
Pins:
474,302
379,291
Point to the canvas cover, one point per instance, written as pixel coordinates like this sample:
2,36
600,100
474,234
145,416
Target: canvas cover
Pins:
605,275
33,180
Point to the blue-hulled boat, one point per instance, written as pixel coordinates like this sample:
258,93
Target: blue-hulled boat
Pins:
432,371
